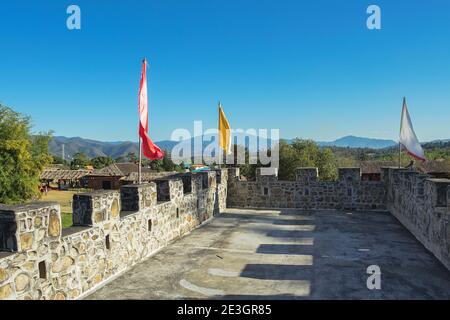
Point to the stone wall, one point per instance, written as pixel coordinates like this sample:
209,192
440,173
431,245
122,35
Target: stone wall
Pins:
113,230
307,192
422,205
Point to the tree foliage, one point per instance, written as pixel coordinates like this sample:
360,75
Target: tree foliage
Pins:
306,153
299,153
59,160
131,156
79,161
165,164
101,162
23,157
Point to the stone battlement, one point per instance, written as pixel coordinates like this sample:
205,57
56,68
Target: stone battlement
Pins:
113,230
307,192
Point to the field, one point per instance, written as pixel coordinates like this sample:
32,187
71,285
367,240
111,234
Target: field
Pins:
64,198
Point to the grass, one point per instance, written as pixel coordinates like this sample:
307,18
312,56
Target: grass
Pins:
64,198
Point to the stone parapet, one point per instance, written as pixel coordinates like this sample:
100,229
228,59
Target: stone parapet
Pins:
113,230
307,192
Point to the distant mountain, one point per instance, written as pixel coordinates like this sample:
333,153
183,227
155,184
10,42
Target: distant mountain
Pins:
89,147
358,142
93,148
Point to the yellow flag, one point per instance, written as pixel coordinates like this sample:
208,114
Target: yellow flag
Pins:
224,132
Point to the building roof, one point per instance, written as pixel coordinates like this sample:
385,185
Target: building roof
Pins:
52,174
119,170
433,166
148,176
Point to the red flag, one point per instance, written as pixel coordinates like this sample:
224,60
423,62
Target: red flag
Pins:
150,150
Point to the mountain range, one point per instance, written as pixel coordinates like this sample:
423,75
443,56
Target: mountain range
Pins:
359,142
93,148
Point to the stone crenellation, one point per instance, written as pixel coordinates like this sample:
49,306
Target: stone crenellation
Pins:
307,192
114,230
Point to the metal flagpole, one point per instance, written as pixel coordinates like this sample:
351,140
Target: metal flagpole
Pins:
218,140
140,162
140,140
399,142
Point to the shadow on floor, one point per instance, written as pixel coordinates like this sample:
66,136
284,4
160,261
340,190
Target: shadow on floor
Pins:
277,272
289,249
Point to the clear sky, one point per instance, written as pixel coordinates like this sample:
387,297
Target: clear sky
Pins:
310,68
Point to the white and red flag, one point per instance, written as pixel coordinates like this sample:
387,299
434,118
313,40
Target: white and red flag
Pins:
408,138
149,149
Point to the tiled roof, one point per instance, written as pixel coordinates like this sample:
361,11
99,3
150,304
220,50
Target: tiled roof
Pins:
119,170
433,166
63,174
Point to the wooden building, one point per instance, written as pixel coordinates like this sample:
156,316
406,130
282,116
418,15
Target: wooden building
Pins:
116,175
371,170
65,179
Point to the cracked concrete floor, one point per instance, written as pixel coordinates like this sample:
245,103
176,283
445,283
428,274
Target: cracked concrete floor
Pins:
287,254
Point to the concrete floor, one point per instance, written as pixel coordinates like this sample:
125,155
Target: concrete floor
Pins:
287,254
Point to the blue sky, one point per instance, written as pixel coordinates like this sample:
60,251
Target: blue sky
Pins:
310,68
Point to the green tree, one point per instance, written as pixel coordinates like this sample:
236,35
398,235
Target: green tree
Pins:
59,160
131,156
120,159
305,153
101,162
327,164
80,161
22,157
156,165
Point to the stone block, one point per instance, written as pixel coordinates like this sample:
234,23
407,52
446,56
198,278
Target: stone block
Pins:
448,197
349,174
24,227
169,189
208,179
266,174
162,190
188,184
95,208
440,192
306,175
137,197
234,173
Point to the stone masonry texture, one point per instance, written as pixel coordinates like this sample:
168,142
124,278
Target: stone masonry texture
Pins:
114,230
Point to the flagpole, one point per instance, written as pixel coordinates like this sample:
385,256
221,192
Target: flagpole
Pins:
218,140
140,162
399,142
144,61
